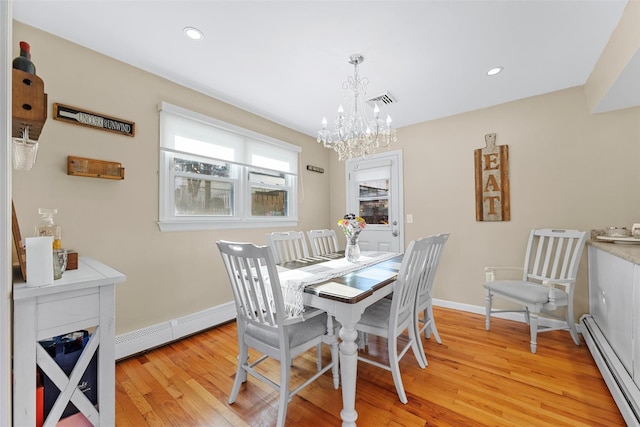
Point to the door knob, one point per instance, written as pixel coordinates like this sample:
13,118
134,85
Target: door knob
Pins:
395,232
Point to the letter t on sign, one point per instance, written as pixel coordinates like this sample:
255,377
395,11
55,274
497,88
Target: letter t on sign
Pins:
492,181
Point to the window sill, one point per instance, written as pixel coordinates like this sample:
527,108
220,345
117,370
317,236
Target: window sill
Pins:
168,226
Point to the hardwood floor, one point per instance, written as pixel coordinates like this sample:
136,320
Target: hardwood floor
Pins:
475,378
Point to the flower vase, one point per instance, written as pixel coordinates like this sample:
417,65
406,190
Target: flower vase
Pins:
352,251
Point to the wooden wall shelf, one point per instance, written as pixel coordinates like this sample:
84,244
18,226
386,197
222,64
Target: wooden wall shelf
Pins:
29,104
92,168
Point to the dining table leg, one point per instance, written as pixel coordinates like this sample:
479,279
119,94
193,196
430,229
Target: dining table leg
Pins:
348,371
348,313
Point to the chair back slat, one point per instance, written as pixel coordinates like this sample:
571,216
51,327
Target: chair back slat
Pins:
548,247
553,254
255,283
287,245
434,254
249,303
323,241
411,270
567,258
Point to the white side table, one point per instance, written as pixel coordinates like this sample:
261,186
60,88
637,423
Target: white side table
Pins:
81,299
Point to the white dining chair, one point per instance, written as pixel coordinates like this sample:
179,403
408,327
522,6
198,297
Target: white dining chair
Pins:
424,297
262,323
389,318
547,284
287,245
323,241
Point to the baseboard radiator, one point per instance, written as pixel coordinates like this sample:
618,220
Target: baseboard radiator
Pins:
625,392
140,340
153,336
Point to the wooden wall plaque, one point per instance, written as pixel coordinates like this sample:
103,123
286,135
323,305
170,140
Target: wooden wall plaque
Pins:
29,104
93,168
77,116
492,181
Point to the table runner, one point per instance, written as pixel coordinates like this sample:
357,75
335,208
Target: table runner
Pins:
293,281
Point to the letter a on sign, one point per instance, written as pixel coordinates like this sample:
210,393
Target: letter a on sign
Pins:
492,181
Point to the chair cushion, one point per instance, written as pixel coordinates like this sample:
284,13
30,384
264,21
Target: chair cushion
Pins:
527,292
377,315
298,333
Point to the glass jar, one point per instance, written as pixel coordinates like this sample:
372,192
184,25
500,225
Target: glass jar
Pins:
48,228
59,263
352,250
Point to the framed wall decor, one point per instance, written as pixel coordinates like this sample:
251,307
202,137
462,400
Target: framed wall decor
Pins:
492,181
77,116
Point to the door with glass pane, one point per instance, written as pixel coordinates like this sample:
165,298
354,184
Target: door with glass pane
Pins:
374,192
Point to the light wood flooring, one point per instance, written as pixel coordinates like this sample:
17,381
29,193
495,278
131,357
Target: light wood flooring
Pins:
475,378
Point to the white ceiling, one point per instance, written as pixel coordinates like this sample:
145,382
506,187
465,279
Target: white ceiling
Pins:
287,60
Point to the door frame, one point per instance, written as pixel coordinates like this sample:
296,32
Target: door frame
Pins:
395,155
6,284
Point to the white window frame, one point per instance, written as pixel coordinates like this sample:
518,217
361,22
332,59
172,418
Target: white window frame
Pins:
244,142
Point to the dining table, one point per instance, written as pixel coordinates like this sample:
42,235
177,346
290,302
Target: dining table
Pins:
344,290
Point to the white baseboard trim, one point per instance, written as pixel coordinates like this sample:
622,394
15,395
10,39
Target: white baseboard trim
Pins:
153,336
518,317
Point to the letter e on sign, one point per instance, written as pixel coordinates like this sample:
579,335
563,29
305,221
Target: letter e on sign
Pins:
492,181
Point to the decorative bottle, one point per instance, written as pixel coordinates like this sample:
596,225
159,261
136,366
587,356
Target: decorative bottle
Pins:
23,62
48,228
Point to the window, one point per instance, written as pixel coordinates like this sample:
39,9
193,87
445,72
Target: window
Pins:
217,175
373,198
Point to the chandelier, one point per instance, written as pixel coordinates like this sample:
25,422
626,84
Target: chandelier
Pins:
356,134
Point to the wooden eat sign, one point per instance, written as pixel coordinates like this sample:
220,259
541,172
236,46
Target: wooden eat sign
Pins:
492,181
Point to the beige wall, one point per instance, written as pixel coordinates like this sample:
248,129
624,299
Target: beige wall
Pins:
568,169
168,274
623,44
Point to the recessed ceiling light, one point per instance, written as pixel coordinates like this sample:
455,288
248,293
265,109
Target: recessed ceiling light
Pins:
193,33
494,71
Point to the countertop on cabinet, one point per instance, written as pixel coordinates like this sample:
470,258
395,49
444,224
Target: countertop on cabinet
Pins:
629,252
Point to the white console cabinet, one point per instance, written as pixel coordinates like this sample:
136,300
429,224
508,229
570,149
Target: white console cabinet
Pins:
82,299
611,301
612,327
